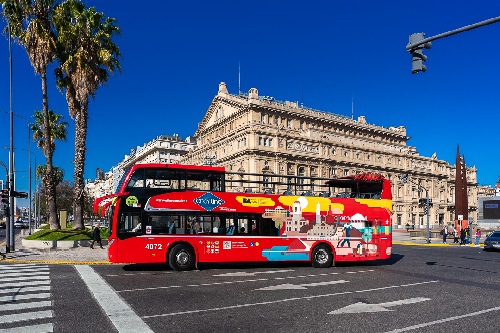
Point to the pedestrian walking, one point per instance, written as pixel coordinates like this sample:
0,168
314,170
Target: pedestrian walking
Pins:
455,236
478,236
444,232
462,236
96,236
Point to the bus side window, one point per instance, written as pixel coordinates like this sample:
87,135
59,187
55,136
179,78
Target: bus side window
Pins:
130,223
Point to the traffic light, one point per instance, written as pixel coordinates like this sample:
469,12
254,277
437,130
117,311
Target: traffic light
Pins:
22,195
5,201
5,197
417,52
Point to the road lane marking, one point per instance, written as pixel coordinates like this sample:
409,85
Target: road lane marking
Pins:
233,282
440,321
361,307
25,316
43,328
118,311
303,286
289,300
239,274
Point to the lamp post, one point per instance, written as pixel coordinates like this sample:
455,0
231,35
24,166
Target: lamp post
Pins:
7,224
427,203
10,243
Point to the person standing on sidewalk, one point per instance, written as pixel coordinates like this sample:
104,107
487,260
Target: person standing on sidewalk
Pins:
462,236
478,237
96,236
444,232
455,236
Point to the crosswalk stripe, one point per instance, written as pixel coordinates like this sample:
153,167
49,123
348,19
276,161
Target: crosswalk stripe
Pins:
23,289
34,269
18,283
15,298
6,268
24,306
14,266
11,279
43,328
22,274
25,316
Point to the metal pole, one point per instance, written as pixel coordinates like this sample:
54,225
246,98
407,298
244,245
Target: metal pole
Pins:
29,195
7,225
427,208
453,32
10,246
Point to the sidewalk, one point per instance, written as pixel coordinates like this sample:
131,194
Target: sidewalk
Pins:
402,237
98,256
77,255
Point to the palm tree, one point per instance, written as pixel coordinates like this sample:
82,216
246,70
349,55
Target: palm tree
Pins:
31,27
58,131
40,172
87,56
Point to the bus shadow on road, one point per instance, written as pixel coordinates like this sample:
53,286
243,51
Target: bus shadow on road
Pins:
265,265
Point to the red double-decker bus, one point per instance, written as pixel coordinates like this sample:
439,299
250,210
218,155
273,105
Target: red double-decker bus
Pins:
183,215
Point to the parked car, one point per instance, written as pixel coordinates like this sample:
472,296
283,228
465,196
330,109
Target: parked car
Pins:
492,241
3,225
19,224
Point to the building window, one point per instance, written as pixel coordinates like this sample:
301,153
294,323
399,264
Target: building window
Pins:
276,120
263,118
346,172
301,124
288,123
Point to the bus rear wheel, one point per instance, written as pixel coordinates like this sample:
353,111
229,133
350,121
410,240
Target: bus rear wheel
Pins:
322,256
182,258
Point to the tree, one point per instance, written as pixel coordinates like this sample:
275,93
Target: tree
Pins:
58,131
87,56
41,172
31,27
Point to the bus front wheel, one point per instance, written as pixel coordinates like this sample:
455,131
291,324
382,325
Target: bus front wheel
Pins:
182,258
322,256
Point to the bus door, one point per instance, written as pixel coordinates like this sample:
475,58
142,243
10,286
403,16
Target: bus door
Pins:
133,243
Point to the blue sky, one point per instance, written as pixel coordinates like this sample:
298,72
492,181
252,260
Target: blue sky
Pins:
321,53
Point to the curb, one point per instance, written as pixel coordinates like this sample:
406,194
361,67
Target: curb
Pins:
433,244
61,262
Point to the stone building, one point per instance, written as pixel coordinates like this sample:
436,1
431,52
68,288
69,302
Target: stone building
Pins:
162,149
258,134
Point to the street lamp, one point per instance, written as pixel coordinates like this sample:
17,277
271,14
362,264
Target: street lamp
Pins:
427,203
10,239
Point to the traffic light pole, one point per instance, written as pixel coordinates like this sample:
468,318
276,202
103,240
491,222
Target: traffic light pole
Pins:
7,213
417,43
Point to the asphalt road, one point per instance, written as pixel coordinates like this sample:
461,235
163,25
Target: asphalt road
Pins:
421,289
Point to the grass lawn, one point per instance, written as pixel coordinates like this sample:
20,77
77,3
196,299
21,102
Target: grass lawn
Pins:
64,234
